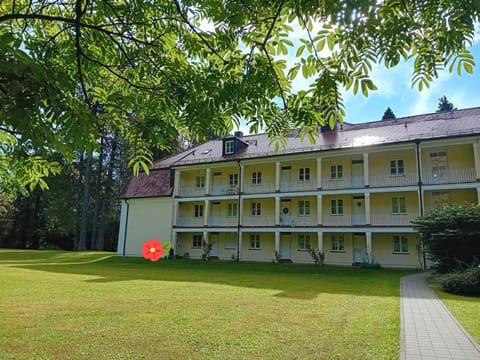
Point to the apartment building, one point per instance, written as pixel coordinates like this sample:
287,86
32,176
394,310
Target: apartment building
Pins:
351,195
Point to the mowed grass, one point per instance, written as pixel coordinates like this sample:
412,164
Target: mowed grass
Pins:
64,305
466,309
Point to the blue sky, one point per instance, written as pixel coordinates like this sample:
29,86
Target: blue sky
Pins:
395,90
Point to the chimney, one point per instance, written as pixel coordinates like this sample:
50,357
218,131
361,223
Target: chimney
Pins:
238,134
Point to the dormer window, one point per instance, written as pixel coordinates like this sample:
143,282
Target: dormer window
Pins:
229,147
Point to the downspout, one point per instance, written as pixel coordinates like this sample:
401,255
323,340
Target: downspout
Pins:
420,198
126,228
238,210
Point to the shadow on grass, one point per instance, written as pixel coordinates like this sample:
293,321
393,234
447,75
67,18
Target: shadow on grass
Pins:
290,280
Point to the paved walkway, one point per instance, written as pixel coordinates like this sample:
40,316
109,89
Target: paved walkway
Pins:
428,330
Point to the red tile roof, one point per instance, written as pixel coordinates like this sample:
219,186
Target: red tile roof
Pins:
421,127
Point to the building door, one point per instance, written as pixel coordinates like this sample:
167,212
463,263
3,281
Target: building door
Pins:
285,213
285,246
357,173
359,248
286,178
358,210
217,186
438,163
214,238
215,217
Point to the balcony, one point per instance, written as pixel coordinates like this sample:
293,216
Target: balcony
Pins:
191,191
332,184
344,220
258,220
300,221
286,186
259,188
223,221
189,221
449,176
390,180
392,219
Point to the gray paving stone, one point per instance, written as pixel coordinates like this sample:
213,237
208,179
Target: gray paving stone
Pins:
428,330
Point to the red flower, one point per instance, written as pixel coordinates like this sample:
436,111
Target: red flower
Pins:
152,250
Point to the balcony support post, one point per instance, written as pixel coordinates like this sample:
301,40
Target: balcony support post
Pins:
174,242
175,212
366,180
476,156
319,210
277,176
277,242
320,241
207,181
369,246
176,182
206,214
368,220
277,210
319,173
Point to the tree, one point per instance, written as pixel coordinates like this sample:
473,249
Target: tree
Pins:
451,234
388,114
159,67
444,104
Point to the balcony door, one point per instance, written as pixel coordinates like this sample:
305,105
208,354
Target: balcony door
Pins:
285,246
285,213
358,210
214,241
217,186
438,163
286,178
215,214
359,248
357,173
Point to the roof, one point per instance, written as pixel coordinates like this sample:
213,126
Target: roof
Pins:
421,127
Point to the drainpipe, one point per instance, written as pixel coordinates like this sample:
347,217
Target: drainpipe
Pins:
238,209
126,228
420,198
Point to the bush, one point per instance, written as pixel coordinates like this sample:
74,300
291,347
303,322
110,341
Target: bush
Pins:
451,236
466,282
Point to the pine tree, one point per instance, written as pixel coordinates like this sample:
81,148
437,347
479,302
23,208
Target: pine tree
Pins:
388,114
444,105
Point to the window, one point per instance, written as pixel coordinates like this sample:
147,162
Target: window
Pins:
336,207
303,241
233,180
397,168
399,205
438,159
255,209
255,241
304,208
232,210
256,178
338,242
230,243
200,181
229,147
304,174
336,172
400,244
197,241
198,211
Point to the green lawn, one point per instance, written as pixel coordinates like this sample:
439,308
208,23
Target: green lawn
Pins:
58,305
465,308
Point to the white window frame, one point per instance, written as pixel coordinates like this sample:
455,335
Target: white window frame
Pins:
232,210
400,244
304,242
233,180
256,178
229,147
255,241
336,172
397,167
197,241
399,205
337,207
198,210
256,209
200,182
304,208
338,242
304,174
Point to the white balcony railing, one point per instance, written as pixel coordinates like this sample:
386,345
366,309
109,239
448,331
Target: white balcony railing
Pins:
190,221
259,220
299,221
191,191
337,220
259,188
223,221
392,219
397,180
449,176
344,183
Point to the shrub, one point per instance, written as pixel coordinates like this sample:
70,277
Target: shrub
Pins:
466,282
450,235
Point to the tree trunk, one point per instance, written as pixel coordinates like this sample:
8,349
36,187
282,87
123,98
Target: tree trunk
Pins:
98,198
82,241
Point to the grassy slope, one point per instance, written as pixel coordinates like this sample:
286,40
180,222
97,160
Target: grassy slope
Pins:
68,305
